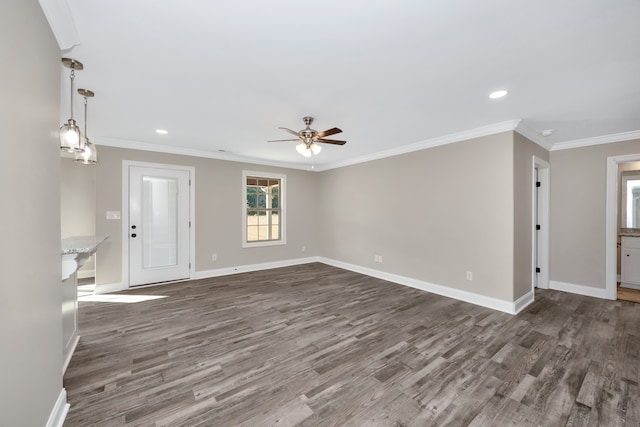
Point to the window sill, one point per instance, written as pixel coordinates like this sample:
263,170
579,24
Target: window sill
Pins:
263,244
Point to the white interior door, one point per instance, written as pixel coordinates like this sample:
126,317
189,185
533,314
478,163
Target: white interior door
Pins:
158,225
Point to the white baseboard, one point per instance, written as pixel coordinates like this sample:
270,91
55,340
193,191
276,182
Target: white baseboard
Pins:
630,286
578,289
522,302
59,412
470,297
71,348
205,274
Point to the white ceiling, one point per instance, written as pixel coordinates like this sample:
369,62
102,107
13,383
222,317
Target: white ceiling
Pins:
224,74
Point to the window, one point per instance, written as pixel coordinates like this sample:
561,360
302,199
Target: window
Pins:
263,210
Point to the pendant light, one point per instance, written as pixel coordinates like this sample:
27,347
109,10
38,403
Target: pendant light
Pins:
70,138
89,155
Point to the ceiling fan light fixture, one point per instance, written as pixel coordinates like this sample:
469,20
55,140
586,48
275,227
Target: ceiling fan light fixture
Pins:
315,148
303,149
309,138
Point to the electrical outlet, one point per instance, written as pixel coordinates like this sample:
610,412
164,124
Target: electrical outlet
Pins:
214,257
304,248
469,275
377,258
380,258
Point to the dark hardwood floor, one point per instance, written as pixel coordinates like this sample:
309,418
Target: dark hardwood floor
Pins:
315,345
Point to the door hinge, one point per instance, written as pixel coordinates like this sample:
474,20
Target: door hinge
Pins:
189,183
537,183
537,226
537,269
190,266
189,224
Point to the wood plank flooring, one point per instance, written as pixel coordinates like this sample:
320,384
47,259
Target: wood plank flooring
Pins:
626,294
315,345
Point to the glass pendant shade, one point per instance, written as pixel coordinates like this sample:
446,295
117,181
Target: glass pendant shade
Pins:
315,148
89,155
70,139
302,149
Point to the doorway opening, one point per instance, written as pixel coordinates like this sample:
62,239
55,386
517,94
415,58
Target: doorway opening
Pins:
612,215
540,225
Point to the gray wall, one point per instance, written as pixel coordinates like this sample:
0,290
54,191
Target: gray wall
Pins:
433,215
523,153
218,219
78,204
30,292
578,212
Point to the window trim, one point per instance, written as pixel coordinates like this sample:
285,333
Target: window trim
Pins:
283,209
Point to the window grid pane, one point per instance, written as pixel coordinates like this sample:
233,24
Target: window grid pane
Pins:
263,209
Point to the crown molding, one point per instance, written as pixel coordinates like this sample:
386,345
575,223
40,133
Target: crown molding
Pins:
604,139
506,126
61,21
510,125
143,146
533,135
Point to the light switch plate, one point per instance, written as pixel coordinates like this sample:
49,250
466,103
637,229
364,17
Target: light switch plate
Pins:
113,214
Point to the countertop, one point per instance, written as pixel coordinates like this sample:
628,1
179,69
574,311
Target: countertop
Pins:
630,232
81,244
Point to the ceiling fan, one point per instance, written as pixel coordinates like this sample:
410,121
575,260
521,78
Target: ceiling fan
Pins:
310,137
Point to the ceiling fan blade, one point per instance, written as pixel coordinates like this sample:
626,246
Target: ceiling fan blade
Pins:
328,132
290,131
331,141
282,140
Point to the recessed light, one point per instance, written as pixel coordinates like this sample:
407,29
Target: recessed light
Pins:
162,131
498,94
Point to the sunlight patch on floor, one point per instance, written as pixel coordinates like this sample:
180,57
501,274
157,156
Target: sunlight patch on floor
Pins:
127,299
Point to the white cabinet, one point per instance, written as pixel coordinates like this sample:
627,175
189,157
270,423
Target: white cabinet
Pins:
630,253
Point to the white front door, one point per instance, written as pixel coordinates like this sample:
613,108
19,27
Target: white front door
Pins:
158,225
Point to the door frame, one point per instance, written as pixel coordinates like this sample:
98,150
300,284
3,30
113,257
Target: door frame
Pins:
126,164
611,223
543,168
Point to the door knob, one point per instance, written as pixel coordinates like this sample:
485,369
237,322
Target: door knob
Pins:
133,235
133,227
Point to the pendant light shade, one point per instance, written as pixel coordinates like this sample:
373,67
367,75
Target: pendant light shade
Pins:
70,137
89,154
315,148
